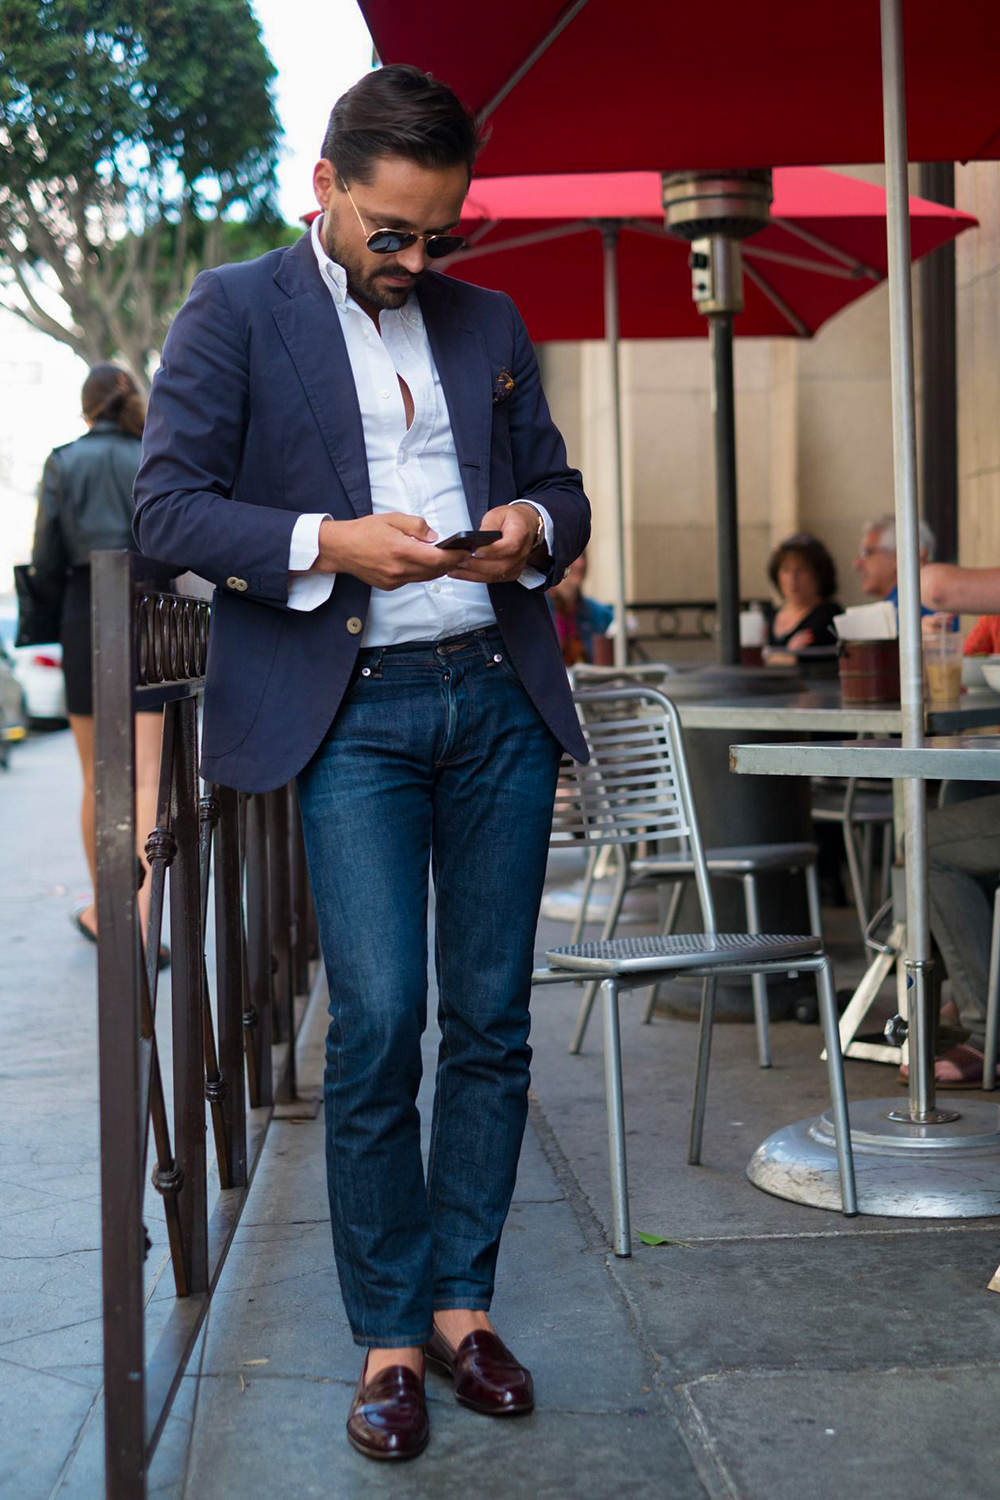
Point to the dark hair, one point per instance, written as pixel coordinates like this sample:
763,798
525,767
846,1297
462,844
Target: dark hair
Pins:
111,395
399,111
812,552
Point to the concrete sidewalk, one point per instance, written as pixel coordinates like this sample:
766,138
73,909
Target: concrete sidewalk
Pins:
775,1353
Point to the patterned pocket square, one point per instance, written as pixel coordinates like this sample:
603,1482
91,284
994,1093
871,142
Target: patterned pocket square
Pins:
503,385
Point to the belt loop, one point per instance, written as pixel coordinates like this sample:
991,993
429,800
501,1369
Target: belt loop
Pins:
375,665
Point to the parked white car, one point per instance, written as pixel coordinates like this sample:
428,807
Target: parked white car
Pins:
38,670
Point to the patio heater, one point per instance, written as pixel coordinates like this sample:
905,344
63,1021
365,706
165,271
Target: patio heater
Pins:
714,211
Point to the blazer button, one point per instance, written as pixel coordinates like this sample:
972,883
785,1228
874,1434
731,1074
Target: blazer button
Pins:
239,584
354,625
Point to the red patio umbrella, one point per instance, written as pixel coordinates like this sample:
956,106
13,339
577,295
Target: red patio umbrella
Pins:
602,85
824,247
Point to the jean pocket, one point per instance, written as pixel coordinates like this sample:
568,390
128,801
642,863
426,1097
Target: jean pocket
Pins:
507,668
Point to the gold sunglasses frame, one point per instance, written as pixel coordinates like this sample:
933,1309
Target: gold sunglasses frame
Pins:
410,235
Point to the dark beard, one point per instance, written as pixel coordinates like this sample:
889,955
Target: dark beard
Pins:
369,287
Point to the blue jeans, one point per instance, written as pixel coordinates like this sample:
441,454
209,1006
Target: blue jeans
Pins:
436,760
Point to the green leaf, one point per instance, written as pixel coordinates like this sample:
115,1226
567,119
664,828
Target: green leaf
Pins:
661,1239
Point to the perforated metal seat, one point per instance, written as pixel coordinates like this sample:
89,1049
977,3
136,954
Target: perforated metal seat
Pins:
635,790
682,950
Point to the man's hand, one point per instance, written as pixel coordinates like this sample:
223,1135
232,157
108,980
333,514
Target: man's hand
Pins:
386,550
505,560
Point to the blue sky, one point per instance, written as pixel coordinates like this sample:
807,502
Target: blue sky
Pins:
319,47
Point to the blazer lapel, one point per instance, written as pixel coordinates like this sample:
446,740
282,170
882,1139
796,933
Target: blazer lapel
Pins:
459,351
310,329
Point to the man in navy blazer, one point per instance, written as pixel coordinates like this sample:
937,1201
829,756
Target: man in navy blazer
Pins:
321,418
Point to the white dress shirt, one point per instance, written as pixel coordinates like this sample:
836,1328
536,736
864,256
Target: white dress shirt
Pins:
414,470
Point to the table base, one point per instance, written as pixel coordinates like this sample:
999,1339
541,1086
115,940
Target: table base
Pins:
903,1170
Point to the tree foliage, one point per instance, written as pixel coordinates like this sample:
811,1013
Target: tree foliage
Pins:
139,142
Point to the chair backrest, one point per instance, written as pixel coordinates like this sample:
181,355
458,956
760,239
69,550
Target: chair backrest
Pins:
652,673
635,787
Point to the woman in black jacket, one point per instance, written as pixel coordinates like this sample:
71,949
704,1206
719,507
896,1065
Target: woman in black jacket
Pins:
85,505
804,574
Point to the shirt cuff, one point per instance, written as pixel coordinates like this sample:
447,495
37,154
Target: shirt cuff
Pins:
531,578
307,590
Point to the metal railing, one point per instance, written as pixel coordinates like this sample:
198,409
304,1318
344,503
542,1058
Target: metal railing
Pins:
232,1061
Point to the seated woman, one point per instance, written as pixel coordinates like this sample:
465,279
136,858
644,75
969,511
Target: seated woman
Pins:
803,572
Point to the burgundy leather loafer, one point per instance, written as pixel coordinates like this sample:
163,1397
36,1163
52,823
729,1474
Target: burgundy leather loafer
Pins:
487,1376
388,1416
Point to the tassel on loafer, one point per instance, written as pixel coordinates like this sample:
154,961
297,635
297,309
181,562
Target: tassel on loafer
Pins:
487,1377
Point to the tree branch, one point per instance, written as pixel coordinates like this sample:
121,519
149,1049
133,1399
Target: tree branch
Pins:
39,319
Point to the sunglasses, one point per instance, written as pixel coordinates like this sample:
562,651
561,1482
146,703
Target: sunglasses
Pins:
389,241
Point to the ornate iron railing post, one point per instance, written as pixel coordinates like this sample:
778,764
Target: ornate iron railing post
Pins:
122,1129
188,1000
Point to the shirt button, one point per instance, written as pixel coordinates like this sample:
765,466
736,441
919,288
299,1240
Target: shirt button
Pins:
435,588
385,395
354,625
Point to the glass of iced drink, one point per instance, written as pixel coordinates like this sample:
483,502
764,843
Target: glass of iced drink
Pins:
942,661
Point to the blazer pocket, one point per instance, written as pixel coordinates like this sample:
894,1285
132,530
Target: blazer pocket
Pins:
242,642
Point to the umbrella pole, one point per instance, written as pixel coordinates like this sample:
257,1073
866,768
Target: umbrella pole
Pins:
904,442
610,232
726,520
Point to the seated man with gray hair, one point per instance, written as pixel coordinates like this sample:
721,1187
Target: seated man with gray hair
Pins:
876,559
963,846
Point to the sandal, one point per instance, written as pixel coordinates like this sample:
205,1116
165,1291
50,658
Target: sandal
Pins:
76,917
960,1067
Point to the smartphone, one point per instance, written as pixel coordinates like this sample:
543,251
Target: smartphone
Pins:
464,541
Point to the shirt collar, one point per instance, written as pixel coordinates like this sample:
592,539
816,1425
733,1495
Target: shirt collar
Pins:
336,277
331,272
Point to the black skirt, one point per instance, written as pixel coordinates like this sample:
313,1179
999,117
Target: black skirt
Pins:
77,651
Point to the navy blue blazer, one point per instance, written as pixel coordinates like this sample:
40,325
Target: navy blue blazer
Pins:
254,403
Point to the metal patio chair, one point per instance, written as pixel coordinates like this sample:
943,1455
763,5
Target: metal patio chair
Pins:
742,862
634,790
